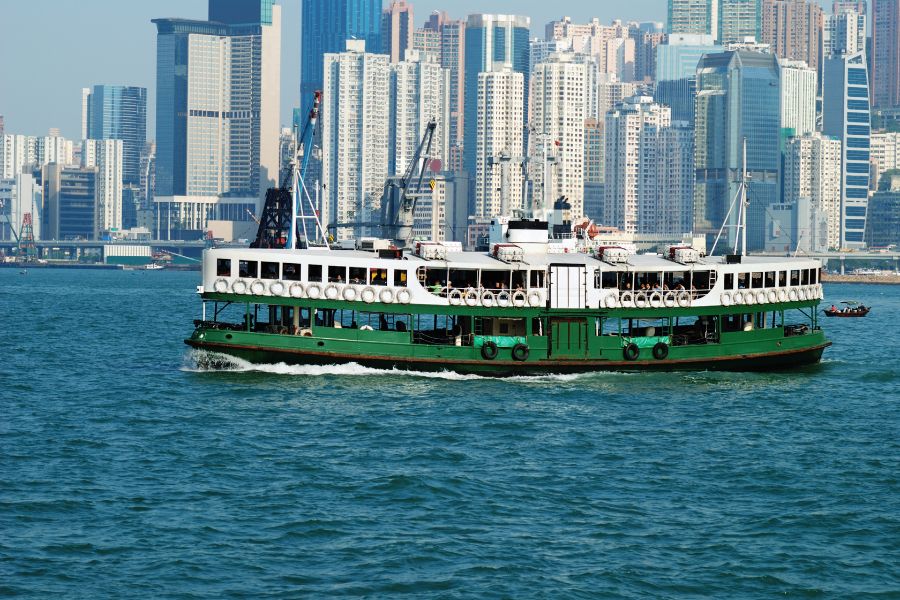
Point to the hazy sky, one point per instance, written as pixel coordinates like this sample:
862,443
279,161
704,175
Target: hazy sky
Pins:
50,49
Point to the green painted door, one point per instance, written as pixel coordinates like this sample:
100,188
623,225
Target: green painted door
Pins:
568,338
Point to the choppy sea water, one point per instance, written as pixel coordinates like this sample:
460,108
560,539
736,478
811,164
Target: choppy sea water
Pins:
125,471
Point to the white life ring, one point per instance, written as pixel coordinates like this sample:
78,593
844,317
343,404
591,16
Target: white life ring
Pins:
640,300
670,300
760,297
503,299
471,297
332,291
239,286
801,294
221,285
726,299
350,293
257,288
404,296
782,295
519,299
455,297
813,293
313,291
534,298
368,295
792,295
296,290
611,301
386,295
738,297
773,296
487,299
749,298
656,299
684,299
276,288
627,298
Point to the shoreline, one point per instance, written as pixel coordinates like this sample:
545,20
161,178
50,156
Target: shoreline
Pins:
868,279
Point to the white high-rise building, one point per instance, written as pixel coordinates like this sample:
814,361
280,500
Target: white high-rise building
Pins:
355,138
563,97
499,140
845,32
85,106
108,157
420,91
612,46
20,150
633,151
812,170
885,154
798,97
611,91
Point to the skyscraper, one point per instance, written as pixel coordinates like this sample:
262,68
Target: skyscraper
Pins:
217,113
793,29
491,40
738,98
355,138
698,17
812,170
676,72
845,30
739,20
108,157
397,30
326,26
886,53
798,97
845,108
115,112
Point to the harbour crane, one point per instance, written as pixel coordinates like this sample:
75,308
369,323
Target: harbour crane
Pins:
398,214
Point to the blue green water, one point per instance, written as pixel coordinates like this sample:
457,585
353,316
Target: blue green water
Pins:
127,472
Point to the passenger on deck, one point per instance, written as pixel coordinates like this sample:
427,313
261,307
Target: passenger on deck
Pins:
436,287
382,323
400,326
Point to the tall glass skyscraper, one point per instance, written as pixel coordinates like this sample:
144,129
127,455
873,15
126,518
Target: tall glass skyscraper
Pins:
116,112
845,115
326,27
738,97
676,72
491,41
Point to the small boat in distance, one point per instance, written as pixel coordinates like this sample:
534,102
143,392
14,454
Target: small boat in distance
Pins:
153,266
24,271
851,308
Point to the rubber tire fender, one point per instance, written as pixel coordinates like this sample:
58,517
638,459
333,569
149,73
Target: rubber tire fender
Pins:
520,352
660,350
631,351
489,350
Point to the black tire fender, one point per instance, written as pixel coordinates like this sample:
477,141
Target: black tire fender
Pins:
489,350
631,351
520,352
660,351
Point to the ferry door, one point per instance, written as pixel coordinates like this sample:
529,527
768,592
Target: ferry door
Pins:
568,286
568,337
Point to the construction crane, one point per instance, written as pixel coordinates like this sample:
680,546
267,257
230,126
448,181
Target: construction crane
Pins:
398,214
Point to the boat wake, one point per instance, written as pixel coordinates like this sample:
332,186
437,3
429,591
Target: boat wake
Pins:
204,361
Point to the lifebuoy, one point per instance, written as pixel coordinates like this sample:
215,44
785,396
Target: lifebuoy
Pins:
534,298
404,296
368,295
738,297
455,297
660,350
782,295
239,286
257,288
471,297
520,352
801,294
386,296
631,351
760,297
684,299
726,299
519,299
656,299
611,301
792,295
221,285
313,291
489,350
296,290
332,291
350,293
627,298
503,299
670,300
773,296
276,288
487,298
749,298
640,300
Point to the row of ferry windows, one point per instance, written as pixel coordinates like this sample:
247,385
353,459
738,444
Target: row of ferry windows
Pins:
313,273
769,279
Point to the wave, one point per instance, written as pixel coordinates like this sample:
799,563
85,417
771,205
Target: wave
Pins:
204,361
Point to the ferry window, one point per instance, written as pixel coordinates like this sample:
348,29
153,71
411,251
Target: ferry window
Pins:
795,277
378,276
462,278
537,326
805,274
756,281
518,280
814,276
609,326
291,272
537,279
700,280
357,275
782,278
495,280
729,281
609,280
337,274
742,281
399,277
247,268
314,273
223,267
270,270
770,279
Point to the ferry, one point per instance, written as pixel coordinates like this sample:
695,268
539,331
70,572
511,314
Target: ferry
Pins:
530,305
